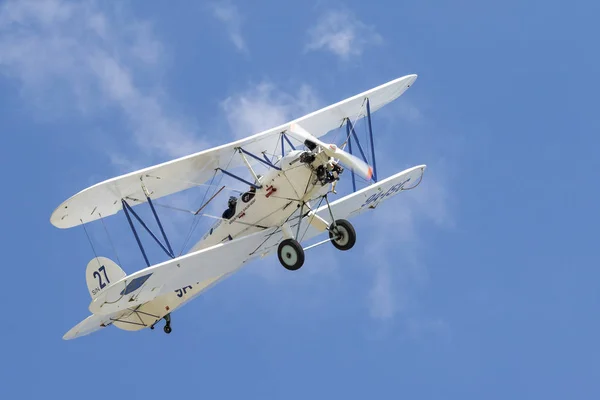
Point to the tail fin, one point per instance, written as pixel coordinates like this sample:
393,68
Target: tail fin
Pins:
101,273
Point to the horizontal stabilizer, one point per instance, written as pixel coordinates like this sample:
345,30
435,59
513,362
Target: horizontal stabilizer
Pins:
89,325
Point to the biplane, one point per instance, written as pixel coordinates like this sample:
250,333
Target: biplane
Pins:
276,212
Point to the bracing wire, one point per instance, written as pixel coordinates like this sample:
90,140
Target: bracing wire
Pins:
192,227
277,146
314,211
353,124
196,220
91,243
195,184
110,240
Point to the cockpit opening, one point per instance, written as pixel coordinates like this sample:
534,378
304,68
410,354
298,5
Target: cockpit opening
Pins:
230,211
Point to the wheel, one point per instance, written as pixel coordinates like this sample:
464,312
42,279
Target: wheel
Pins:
167,329
343,235
291,254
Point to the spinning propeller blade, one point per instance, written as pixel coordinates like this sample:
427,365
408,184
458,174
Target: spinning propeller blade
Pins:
355,163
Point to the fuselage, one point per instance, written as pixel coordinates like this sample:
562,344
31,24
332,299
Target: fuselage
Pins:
303,176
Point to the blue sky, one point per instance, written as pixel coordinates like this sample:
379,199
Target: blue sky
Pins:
482,283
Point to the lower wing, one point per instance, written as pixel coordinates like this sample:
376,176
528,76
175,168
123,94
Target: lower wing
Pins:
349,206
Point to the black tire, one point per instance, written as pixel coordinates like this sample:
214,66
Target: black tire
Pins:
343,236
167,329
291,254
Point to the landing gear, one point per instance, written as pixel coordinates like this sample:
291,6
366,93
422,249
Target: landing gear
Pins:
291,254
342,234
167,327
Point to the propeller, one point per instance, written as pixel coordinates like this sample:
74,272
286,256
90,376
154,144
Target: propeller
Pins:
355,163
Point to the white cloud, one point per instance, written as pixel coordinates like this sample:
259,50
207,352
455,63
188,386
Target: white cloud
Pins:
75,57
145,46
341,33
229,15
265,106
396,244
382,302
398,229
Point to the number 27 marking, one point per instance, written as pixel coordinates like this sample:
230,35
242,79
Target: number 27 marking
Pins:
97,275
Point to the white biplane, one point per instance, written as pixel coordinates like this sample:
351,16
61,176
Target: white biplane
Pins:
265,218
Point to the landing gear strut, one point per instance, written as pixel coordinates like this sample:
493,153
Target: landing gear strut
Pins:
341,231
341,234
167,327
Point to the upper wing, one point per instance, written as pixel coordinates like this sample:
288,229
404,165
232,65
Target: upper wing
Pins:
200,266
183,173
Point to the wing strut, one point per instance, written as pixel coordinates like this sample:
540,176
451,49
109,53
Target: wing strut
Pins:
161,227
350,132
350,150
127,209
267,163
249,166
371,136
137,238
238,178
283,136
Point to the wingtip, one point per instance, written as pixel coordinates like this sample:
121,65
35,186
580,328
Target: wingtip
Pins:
413,78
69,335
56,216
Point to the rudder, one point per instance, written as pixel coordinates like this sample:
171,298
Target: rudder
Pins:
100,273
